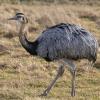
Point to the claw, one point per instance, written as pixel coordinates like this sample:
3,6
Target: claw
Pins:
45,93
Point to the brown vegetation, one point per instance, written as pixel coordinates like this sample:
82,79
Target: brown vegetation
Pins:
23,77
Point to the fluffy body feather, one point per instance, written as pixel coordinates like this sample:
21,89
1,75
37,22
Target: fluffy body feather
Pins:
67,41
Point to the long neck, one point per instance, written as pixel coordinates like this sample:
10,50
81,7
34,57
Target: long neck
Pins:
29,46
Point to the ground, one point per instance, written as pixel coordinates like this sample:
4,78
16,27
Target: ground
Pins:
24,77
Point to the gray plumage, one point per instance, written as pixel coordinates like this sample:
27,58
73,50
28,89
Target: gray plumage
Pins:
63,41
67,41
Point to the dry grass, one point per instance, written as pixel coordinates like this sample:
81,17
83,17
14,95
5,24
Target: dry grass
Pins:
23,77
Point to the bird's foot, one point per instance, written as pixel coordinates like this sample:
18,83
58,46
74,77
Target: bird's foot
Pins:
73,93
45,93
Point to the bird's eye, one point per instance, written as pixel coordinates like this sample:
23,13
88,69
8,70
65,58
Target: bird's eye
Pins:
18,16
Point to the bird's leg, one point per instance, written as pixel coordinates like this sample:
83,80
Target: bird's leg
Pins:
73,82
59,73
71,66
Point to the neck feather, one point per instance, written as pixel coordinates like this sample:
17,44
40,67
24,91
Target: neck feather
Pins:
28,46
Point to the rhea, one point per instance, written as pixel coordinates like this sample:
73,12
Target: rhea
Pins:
63,42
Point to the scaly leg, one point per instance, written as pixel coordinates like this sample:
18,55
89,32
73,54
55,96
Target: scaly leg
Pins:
71,66
59,73
73,83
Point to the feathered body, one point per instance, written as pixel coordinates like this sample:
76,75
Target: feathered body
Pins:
67,41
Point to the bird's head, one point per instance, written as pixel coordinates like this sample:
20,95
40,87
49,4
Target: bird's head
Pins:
20,18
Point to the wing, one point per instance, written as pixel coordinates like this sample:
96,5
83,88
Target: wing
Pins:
66,41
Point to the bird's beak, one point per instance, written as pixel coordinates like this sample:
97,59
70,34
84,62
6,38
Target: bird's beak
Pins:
13,18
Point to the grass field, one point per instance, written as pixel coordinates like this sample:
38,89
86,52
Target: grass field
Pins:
24,77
